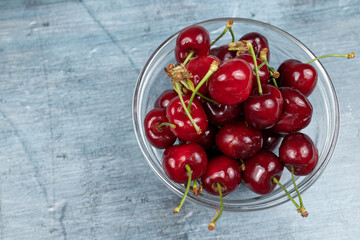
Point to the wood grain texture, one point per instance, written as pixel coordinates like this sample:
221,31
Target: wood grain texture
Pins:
70,166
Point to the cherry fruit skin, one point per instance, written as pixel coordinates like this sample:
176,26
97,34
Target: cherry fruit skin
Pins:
270,139
260,170
237,140
198,68
193,38
264,73
175,158
298,75
296,114
164,99
231,83
176,115
223,53
158,136
298,150
207,139
224,170
222,114
258,42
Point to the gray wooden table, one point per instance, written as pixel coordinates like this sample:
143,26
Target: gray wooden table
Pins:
70,166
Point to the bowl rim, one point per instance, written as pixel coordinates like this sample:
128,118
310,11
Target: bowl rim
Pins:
333,98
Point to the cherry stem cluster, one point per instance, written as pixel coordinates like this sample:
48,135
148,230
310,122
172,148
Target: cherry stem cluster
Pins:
213,222
229,24
188,169
349,55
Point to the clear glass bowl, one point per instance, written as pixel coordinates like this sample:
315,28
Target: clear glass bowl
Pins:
323,128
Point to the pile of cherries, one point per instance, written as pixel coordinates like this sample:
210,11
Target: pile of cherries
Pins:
229,110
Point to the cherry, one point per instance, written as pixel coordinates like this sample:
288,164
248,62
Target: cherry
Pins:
270,139
258,41
231,83
298,151
223,53
237,140
298,75
193,38
221,114
260,171
264,73
184,127
263,111
207,139
183,163
198,68
163,100
157,129
297,111
222,176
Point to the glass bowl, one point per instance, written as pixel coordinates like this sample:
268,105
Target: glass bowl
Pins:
323,128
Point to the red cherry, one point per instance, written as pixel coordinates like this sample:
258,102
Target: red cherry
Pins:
176,115
207,139
270,139
222,114
198,68
193,38
231,83
263,111
176,157
298,150
224,170
258,42
298,75
163,100
260,171
237,140
159,135
297,111
264,73
223,53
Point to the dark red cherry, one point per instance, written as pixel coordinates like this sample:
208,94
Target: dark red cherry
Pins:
270,139
296,114
158,134
163,100
207,139
298,150
193,38
176,157
222,114
264,73
224,170
176,115
258,42
263,111
198,68
260,171
237,140
298,75
231,83
223,53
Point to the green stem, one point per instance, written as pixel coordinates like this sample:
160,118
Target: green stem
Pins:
191,53
208,99
251,50
295,186
275,83
232,35
213,222
188,169
177,88
167,124
222,34
287,193
262,64
350,55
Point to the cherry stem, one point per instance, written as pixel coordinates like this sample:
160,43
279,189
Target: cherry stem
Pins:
177,87
251,50
349,55
213,67
208,99
287,193
275,83
232,35
213,222
295,186
191,53
167,124
195,188
188,169
229,24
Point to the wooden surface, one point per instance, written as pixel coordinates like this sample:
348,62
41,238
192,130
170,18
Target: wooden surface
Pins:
70,166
